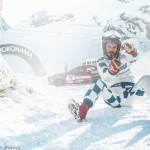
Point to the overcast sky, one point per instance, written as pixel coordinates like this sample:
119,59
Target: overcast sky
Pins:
15,11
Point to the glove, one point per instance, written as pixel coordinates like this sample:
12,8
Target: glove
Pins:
129,48
114,66
83,109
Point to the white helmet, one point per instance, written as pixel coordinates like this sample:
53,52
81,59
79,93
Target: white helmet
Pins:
111,36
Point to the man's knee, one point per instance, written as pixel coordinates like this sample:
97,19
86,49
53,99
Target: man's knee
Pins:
143,86
99,83
145,79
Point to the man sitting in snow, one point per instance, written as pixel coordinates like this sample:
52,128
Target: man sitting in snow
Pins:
117,86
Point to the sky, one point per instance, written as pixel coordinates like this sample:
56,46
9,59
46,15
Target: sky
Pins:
15,11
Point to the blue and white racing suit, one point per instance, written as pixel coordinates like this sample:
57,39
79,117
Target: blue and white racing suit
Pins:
117,90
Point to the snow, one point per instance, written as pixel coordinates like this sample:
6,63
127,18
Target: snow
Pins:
34,115
41,121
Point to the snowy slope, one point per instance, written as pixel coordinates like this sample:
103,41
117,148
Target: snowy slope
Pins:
36,117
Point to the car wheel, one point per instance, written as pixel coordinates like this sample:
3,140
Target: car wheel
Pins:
59,82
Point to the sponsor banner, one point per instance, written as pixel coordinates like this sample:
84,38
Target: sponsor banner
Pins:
15,48
26,54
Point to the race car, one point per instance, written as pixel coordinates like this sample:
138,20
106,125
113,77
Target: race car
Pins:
78,75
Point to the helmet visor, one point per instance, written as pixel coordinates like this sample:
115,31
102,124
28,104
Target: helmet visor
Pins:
113,39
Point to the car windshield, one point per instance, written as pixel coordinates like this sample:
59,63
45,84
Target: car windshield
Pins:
77,70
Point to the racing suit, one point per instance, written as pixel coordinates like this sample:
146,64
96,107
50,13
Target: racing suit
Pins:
117,90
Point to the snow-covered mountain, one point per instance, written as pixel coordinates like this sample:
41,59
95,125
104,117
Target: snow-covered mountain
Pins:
3,25
74,34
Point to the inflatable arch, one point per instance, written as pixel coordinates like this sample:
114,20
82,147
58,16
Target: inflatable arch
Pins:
27,55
